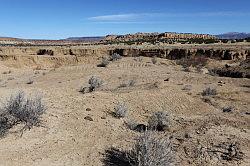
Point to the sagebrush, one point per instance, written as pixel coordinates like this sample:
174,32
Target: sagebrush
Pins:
209,92
121,110
94,83
148,150
115,57
159,121
104,63
20,109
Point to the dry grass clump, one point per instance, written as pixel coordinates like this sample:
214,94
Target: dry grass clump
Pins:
209,92
129,83
20,109
149,150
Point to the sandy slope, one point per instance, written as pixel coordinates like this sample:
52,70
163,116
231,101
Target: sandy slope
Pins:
68,139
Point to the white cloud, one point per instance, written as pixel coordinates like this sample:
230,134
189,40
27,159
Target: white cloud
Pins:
130,17
118,17
143,17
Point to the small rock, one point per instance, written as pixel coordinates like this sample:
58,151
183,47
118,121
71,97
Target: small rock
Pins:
227,109
30,82
140,128
88,109
103,117
187,135
167,79
88,118
227,66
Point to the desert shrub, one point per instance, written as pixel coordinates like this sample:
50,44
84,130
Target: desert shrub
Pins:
159,121
94,83
115,57
104,63
209,92
149,150
121,110
154,60
45,52
20,109
117,157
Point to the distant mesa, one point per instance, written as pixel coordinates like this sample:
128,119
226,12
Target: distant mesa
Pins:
86,39
157,37
9,38
137,38
233,35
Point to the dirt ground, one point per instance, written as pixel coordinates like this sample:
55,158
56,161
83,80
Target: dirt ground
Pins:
201,131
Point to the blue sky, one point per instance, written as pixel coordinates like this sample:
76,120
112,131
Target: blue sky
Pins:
57,19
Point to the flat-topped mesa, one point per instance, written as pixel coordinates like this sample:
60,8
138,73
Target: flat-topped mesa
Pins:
170,35
156,37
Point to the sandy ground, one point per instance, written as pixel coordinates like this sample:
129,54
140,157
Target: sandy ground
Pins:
68,139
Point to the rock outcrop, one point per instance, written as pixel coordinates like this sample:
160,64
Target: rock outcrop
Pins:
173,54
156,37
28,55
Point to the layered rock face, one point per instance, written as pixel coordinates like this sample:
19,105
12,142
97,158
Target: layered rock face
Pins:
167,52
51,51
32,56
173,54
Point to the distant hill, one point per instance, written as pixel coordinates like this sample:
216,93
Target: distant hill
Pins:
233,35
86,39
9,38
